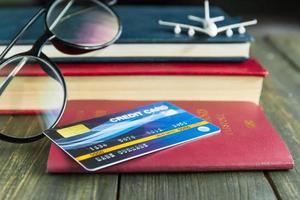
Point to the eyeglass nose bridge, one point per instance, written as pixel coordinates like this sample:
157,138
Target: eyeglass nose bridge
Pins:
40,42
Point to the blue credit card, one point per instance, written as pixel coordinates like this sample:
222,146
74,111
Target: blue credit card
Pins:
111,139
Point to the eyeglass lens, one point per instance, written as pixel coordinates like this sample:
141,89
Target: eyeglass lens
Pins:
29,104
87,23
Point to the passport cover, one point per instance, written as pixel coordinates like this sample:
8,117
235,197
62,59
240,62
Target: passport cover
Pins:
247,141
247,68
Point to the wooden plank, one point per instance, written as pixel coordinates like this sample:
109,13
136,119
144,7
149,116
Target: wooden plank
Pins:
281,101
23,175
288,46
230,185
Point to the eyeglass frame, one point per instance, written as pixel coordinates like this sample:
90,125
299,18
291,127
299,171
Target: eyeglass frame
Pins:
36,52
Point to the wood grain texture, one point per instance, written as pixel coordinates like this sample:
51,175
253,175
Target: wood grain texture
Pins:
23,175
288,46
229,185
281,101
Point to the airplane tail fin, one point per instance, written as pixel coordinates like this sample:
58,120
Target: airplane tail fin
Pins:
206,10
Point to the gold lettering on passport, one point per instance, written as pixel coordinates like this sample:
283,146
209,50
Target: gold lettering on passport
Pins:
225,126
203,113
100,113
249,123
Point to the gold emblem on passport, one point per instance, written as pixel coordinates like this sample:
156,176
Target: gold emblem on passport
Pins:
250,123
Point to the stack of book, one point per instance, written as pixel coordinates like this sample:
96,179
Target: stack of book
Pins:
212,77
150,62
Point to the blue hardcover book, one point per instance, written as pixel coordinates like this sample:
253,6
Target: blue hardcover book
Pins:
142,38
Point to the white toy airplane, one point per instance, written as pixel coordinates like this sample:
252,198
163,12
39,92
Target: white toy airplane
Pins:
209,25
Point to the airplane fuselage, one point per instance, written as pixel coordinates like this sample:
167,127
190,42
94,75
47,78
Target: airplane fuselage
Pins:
211,28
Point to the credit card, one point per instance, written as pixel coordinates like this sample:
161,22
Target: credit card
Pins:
111,139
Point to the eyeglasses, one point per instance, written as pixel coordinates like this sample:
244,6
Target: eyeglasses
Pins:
73,27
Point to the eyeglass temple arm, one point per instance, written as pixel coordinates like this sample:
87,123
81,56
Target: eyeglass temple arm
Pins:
12,74
20,33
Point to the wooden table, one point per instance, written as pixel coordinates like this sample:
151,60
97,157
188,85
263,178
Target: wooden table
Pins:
23,167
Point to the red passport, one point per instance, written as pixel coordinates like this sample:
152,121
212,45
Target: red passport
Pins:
247,140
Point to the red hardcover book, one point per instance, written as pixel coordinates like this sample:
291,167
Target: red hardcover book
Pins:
143,81
249,67
247,141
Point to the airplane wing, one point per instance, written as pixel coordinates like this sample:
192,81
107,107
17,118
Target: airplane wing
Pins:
238,25
184,26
